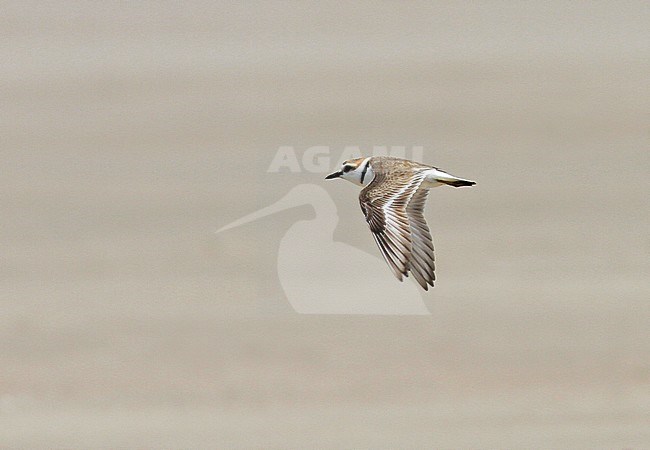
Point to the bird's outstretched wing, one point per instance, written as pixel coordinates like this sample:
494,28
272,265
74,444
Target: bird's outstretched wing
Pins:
393,204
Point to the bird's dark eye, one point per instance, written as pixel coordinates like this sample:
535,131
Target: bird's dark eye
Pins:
347,168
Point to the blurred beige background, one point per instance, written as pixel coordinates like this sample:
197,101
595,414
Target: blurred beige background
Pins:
130,132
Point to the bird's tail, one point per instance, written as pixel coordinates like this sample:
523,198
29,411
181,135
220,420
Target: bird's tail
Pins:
458,182
435,176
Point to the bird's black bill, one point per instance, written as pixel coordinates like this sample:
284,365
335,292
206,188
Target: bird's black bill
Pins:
333,175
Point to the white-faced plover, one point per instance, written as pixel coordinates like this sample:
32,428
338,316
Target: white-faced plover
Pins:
393,199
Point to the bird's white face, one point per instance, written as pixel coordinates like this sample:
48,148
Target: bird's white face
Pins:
357,171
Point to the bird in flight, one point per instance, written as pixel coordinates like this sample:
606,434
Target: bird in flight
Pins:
393,199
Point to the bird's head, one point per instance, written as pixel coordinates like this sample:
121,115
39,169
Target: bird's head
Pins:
357,171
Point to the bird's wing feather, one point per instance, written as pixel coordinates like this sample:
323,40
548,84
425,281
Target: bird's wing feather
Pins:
422,256
385,202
